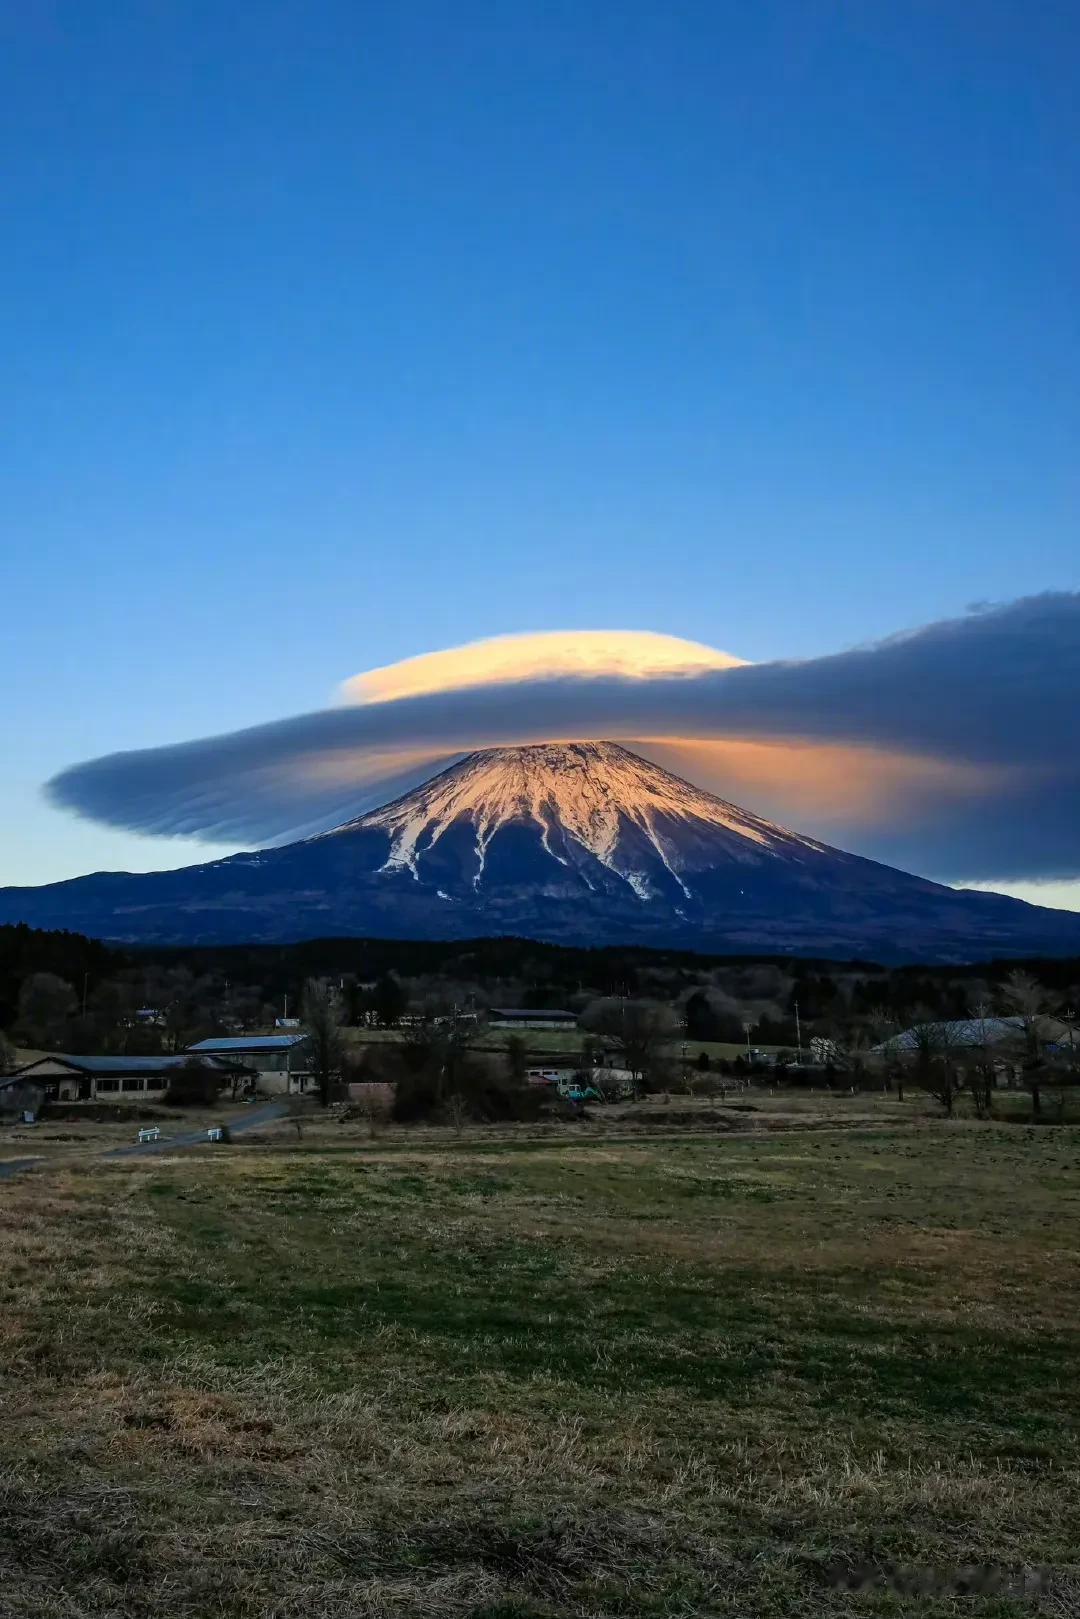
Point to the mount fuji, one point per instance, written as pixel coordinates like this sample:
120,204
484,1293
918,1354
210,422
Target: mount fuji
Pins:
576,843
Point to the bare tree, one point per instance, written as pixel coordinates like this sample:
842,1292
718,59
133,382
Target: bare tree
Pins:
1025,1000
640,1031
854,1055
979,1061
239,1080
440,1043
321,1014
883,1058
456,1109
1068,1017
516,1060
294,1112
374,1109
880,1027
933,1057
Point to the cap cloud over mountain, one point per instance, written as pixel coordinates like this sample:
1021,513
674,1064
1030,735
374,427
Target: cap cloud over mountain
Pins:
970,721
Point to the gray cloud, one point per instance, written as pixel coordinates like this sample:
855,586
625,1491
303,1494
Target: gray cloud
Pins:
997,690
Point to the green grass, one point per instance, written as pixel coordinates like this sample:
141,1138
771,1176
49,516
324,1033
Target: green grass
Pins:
556,1042
544,1377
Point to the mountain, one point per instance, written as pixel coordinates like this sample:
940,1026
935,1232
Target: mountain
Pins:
578,843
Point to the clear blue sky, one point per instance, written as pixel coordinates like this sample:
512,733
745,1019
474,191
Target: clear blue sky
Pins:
334,333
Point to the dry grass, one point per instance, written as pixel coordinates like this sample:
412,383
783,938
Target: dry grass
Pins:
532,1376
73,1140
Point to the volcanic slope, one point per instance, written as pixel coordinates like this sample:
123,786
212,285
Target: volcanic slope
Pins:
583,843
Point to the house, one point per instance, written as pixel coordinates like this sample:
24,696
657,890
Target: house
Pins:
281,1062
530,1017
72,1077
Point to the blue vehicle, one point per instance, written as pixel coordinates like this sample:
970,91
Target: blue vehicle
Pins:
574,1093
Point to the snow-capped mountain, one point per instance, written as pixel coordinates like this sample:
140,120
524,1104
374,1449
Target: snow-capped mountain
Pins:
582,843
609,819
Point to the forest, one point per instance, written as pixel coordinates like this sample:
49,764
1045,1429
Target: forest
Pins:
61,991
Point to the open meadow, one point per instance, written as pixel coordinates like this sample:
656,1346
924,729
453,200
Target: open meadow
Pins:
534,1373
553,1044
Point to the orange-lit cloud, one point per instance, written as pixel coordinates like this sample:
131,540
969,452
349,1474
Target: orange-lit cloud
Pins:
824,784
549,655
344,767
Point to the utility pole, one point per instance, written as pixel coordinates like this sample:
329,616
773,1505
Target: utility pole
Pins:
798,1034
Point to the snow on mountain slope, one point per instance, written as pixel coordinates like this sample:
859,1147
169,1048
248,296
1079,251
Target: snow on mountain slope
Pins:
591,793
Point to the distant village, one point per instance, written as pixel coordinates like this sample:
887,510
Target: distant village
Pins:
412,1044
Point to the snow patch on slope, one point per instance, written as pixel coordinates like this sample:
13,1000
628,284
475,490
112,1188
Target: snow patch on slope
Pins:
588,793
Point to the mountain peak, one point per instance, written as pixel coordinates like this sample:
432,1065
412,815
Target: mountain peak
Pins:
595,799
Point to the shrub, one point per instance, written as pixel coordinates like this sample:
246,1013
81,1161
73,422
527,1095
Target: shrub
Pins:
475,1090
193,1084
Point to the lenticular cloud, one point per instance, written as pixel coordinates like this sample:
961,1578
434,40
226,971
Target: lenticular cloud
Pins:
951,749
551,655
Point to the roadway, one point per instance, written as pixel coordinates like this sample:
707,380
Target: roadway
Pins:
188,1138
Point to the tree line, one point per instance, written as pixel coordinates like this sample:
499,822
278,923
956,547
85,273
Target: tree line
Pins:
60,992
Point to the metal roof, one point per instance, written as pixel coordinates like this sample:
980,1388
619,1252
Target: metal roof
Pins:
236,1046
532,1012
960,1032
111,1065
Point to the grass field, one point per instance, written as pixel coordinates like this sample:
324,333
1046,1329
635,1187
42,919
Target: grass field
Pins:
521,1376
74,1140
556,1043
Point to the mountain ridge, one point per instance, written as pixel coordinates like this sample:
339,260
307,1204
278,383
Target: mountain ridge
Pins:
572,842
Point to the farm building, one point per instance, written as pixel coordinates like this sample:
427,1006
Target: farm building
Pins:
974,1032
281,1062
530,1017
64,1077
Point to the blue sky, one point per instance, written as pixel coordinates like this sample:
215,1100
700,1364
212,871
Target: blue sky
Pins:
335,333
